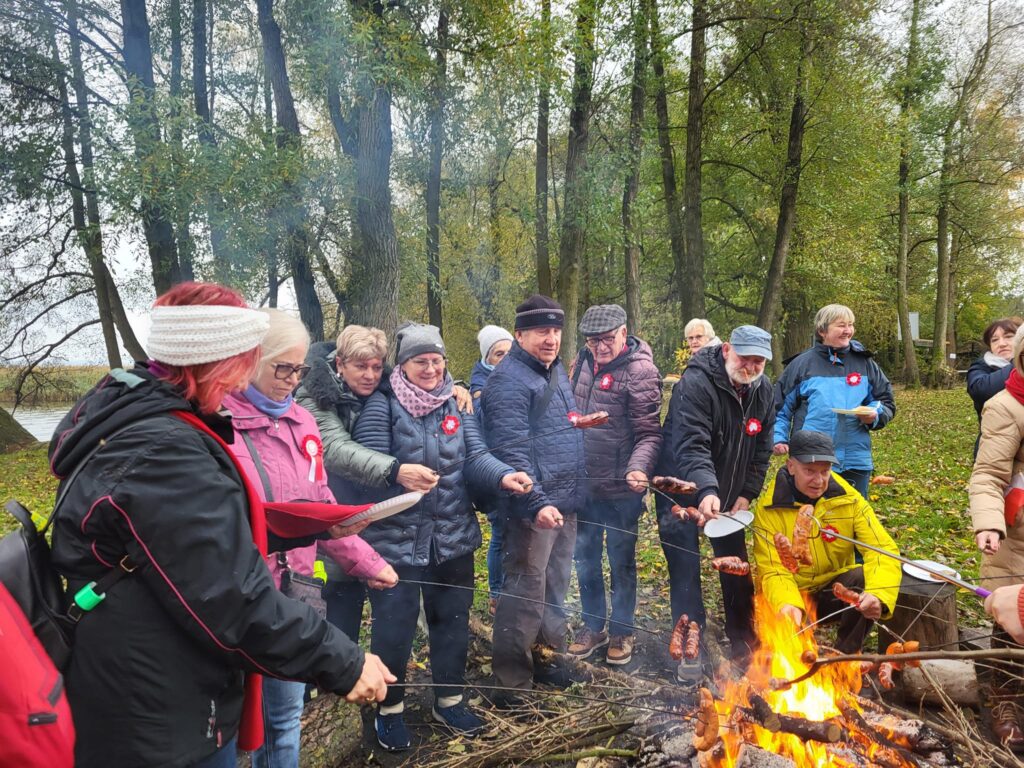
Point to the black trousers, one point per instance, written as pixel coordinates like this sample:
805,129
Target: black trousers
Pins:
396,610
345,600
853,625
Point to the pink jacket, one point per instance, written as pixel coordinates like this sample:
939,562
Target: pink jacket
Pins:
278,443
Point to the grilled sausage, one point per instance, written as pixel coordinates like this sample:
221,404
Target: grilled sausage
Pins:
677,643
844,593
692,648
705,732
673,485
732,565
785,550
802,534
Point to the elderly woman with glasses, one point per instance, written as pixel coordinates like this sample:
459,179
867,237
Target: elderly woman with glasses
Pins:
700,334
278,445
431,544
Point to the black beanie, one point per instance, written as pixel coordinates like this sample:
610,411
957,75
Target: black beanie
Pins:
539,312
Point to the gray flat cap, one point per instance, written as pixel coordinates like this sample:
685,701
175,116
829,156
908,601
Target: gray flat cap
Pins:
602,318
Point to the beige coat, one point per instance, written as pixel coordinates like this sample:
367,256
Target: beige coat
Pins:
1000,457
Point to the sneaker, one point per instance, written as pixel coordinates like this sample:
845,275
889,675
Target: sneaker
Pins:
689,671
392,734
620,649
551,673
587,641
492,605
459,718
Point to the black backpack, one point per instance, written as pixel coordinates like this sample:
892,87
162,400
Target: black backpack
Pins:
26,569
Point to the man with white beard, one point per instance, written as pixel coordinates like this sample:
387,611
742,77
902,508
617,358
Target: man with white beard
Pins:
718,435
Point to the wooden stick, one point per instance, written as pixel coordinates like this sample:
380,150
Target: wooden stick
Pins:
850,713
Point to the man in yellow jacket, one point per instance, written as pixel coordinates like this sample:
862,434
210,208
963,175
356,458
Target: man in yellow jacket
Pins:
807,478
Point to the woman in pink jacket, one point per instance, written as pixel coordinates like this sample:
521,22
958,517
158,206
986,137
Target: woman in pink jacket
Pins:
278,444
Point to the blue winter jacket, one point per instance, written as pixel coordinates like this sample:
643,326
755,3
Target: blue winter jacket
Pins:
822,378
553,454
443,522
477,379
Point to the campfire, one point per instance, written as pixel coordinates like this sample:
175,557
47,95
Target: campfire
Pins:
816,722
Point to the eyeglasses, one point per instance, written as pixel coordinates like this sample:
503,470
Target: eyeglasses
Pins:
420,362
284,371
695,337
596,341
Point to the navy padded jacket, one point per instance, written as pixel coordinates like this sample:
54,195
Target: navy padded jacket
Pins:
553,456
443,522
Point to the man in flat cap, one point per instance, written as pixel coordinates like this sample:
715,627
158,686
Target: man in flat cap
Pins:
807,478
717,435
528,395
614,372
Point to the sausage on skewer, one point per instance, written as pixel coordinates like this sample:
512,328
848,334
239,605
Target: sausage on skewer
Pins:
802,534
732,565
673,485
785,550
692,649
844,593
676,645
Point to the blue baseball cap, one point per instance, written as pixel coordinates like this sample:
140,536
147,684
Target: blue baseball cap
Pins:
751,340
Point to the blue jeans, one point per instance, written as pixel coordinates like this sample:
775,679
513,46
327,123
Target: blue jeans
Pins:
494,573
282,713
859,479
599,520
225,757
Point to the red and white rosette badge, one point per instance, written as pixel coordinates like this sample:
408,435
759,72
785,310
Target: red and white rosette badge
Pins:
826,533
605,382
573,417
450,425
853,379
314,451
752,427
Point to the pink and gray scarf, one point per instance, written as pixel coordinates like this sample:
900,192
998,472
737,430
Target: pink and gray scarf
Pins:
418,402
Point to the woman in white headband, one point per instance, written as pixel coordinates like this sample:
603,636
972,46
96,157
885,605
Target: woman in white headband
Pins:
156,677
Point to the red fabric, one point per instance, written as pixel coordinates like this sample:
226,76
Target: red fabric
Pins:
250,732
36,730
1015,386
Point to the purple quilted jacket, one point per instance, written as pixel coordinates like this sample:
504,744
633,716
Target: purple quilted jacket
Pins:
629,388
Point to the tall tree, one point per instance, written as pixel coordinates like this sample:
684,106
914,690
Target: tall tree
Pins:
630,235
182,210
670,189
571,241
541,157
771,297
692,298
911,375
289,142
434,171
145,127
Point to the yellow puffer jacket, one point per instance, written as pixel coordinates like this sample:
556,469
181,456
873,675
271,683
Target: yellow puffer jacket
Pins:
845,511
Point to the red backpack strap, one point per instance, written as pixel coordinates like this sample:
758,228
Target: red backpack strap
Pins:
257,516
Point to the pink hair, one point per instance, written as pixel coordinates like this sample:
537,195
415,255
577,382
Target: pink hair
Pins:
206,384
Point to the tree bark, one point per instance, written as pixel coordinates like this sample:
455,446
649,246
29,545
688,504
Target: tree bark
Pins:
911,374
94,233
434,173
571,242
770,300
668,163
692,298
541,163
630,235
145,129
182,212
207,138
289,139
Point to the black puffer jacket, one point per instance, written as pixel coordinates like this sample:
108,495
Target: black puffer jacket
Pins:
629,389
156,672
443,523
715,439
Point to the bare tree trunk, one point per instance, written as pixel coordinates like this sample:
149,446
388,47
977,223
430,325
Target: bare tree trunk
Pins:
145,128
570,248
202,101
955,250
770,300
94,233
182,213
668,163
74,185
297,245
692,298
637,96
434,173
911,374
541,167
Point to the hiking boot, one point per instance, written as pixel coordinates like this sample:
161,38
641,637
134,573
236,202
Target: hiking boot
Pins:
1006,726
620,650
587,641
459,718
492,605
551,673
689,671
392,734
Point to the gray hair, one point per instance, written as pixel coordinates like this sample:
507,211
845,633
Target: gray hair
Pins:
692,325
286,331
829,314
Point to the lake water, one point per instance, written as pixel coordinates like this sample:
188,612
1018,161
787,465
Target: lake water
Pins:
40,421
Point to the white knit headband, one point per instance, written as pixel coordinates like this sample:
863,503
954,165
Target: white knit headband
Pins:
204,333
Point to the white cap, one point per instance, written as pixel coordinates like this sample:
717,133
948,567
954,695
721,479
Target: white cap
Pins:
490,335
203,333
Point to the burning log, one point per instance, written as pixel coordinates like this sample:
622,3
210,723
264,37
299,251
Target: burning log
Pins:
852,715
761,714
917,734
